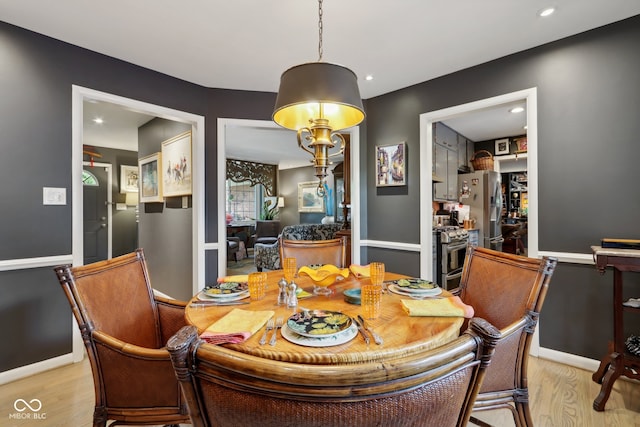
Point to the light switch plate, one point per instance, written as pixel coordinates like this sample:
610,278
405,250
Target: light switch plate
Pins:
54,196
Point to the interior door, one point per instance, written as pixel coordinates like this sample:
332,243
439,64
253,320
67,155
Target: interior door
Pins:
95,214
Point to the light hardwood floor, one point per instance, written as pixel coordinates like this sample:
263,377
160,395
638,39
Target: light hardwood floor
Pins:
560,395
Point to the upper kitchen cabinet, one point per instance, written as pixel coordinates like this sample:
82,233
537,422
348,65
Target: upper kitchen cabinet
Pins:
465,154
445,167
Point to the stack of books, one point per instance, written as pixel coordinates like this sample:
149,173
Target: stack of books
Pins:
620,243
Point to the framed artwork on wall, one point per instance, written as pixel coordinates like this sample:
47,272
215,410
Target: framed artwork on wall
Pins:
521,143
150,182
177,165
502,146
391,165
308,199
128,179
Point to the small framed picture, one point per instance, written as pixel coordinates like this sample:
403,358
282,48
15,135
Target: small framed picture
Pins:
308,198
390,165
521,143
128,179
149,177
502,146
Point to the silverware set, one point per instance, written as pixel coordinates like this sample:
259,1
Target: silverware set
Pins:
278,325
364,327
272,325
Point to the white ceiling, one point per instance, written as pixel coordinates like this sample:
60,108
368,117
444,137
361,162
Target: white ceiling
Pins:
248,44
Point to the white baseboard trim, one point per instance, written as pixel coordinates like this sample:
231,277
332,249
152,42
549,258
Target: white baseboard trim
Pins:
569,359
35,368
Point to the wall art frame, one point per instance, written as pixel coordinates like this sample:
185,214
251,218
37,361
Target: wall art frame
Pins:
391,165
308,198
177,166
129,179
502,146
149,178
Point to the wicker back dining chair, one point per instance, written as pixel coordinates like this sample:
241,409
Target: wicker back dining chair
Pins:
224,387
124,329
507,290
308,252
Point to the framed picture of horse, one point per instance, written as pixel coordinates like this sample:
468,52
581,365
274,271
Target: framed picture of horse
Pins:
177,165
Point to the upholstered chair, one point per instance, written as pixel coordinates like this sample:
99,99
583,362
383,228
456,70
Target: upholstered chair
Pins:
507,290
124,328
308,252
267,256
229,388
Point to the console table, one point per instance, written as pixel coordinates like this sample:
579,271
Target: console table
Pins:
619,361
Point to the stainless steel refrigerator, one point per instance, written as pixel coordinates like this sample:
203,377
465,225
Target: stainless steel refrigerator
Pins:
482,191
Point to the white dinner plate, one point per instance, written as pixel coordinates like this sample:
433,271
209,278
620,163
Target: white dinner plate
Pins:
234,297
325,341
423,293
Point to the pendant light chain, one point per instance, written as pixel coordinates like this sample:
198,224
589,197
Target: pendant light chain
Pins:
320,30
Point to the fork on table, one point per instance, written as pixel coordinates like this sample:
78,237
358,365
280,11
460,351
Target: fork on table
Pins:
279,322
270,324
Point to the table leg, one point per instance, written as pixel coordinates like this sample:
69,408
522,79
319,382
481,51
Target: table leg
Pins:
604,365
616,367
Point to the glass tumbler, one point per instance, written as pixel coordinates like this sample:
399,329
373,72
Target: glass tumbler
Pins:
371,293
289,266
257,285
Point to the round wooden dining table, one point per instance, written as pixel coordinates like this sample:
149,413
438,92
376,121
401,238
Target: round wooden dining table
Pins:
402,335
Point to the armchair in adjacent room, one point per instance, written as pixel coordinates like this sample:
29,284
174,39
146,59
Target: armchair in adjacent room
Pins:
267,256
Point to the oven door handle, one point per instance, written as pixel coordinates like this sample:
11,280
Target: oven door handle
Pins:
455,247
455,274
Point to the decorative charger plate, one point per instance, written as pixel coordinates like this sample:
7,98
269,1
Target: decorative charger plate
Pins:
323,341
318,323
415,285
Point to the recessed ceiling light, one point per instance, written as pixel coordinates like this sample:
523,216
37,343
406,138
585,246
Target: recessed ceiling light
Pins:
516,110
546,12
98,121
368,77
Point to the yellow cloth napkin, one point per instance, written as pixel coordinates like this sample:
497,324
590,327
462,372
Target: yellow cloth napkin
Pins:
240,278
236,326
438,307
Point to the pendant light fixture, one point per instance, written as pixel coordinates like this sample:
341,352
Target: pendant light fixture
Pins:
318,99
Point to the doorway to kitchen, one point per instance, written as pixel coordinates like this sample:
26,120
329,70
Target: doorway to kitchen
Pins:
527,96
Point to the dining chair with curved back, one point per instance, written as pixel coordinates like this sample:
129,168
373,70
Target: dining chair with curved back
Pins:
436,388
508,291
124,328
308,252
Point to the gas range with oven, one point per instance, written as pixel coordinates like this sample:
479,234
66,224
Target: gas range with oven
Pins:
450,249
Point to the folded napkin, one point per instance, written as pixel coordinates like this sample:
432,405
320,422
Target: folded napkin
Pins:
239,278
236,326
436,307
359,270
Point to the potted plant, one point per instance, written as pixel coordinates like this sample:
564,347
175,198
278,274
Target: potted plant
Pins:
269,212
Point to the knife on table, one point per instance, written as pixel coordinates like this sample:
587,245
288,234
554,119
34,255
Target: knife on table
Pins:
219,303
362,331
377,338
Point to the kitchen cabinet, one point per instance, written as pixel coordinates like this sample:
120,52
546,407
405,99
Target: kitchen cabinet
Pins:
465,154
445,165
